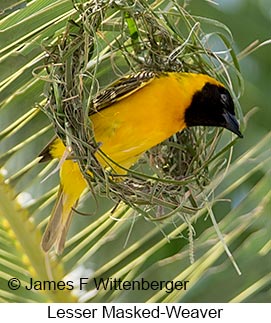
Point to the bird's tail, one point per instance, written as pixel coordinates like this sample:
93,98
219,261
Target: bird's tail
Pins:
59,223
72,185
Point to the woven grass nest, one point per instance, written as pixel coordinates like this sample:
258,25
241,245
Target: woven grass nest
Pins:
104,41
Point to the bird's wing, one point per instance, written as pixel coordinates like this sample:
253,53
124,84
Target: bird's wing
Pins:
120,89
45,153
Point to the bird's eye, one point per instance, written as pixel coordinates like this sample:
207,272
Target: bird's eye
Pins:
224,97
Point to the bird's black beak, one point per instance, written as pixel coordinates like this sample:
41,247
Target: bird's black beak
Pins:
232,124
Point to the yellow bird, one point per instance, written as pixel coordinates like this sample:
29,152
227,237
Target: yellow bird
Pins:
136,113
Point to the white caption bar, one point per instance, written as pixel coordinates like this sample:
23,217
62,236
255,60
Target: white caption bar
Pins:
135,312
